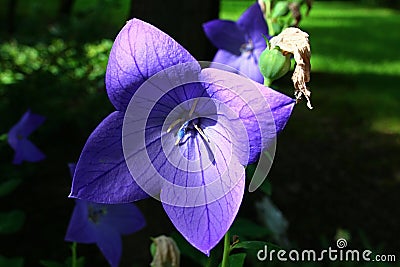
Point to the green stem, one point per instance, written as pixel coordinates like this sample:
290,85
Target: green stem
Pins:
268,17
227,250
73,256
209,262
267,82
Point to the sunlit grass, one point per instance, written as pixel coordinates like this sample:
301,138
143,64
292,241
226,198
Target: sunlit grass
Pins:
355,63
231,10
349,38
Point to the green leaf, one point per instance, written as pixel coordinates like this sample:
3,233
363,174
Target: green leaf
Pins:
254,245
3,137
11,262
8,186
262,173
80,262
47,263
266,188
280,9
11,222
248,229
236,260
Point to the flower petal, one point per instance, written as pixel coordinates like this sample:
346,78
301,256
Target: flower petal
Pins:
281,106
246,64
154,153
206,185
80,229
249,67
254,106
27,151
101,173
25,126
231,61
110,243
139,51
204,226
125,218
253,23
225,35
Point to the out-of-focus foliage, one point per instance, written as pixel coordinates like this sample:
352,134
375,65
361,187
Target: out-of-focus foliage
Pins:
57,58
11,262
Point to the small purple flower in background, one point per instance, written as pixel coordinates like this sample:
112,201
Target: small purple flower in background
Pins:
240,43
188,138
103,224
18,138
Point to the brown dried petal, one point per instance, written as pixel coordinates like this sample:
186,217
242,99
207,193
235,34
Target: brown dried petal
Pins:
167,252
293,40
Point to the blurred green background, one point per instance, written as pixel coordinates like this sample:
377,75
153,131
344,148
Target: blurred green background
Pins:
336,171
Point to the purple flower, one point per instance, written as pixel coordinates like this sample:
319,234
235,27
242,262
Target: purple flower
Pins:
18,138
103,224
240,43
181,134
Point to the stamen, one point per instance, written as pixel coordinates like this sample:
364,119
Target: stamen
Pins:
193,107
181,132
247,47
174,124
177,141
201,133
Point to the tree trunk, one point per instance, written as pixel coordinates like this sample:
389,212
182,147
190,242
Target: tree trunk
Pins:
182,20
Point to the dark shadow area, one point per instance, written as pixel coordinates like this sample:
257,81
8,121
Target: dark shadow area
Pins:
332,171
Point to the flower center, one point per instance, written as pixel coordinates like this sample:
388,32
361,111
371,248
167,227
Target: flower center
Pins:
189,124
247,47
95,213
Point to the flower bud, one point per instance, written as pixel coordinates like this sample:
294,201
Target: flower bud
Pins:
273,64
165,252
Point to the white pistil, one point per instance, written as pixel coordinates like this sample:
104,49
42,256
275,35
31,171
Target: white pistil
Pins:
201,133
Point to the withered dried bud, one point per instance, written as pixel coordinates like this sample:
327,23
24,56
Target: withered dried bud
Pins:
293,40
167,253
